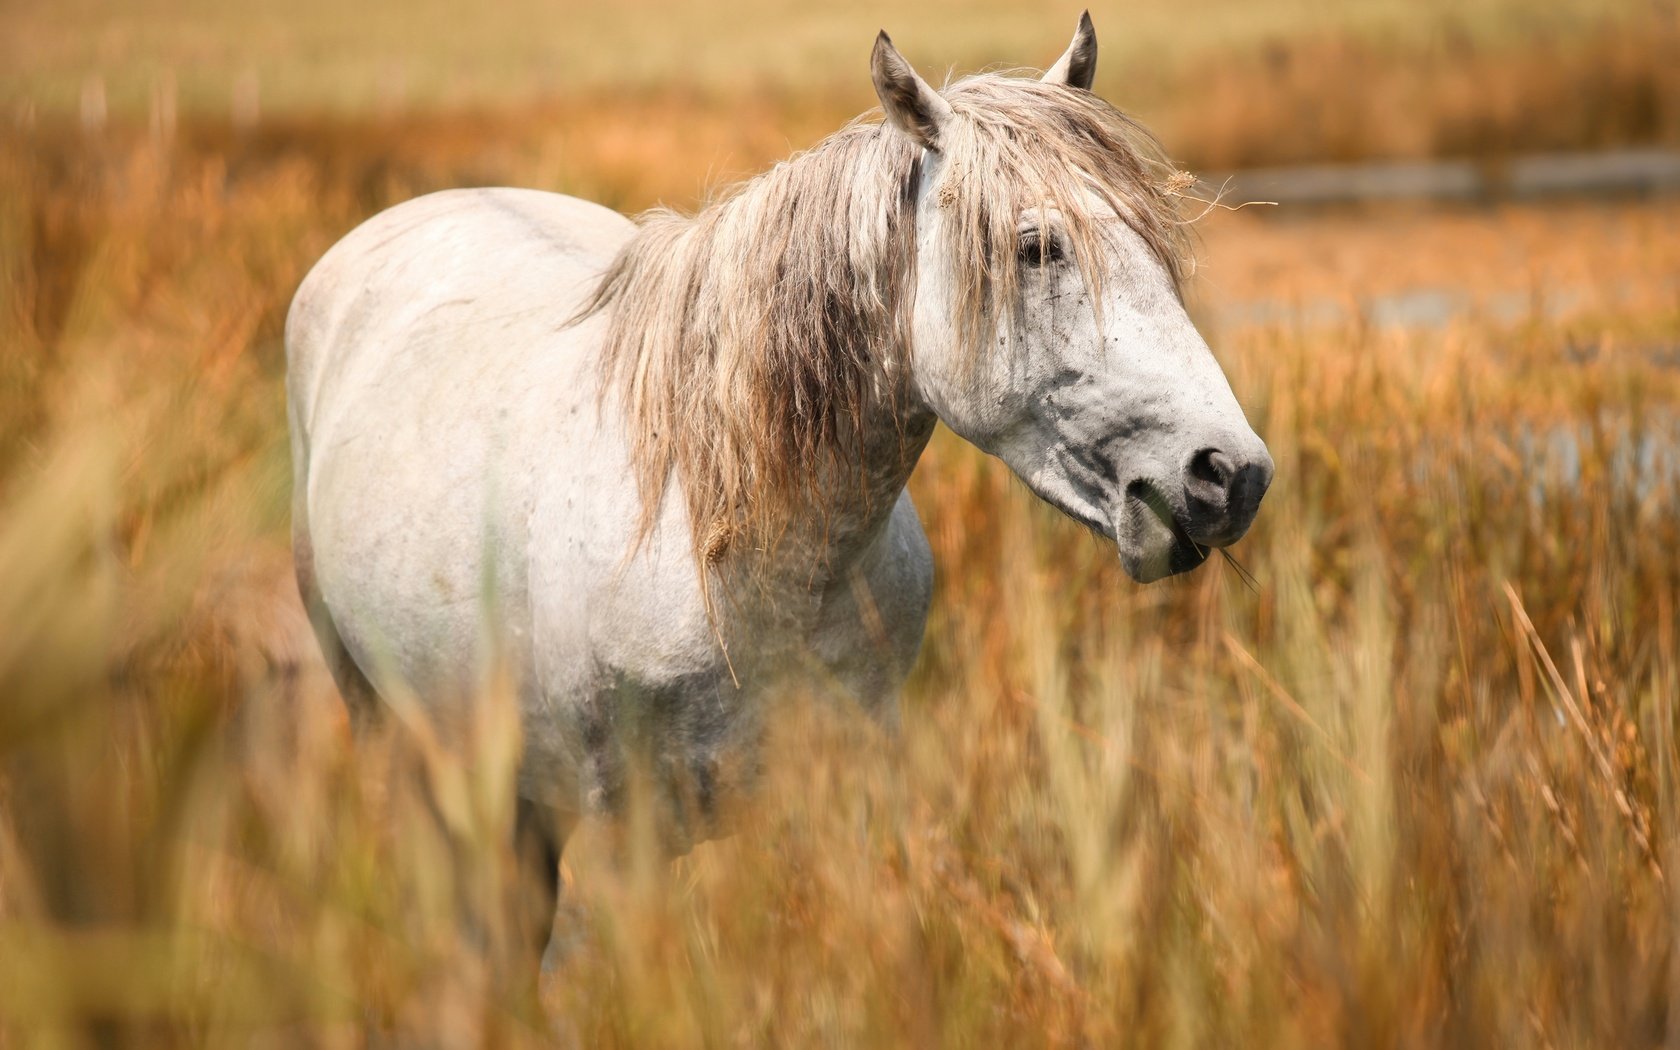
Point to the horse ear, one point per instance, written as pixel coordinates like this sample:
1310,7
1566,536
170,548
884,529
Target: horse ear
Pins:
1078,65
910,104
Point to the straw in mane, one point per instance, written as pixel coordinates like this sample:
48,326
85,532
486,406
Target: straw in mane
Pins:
749,342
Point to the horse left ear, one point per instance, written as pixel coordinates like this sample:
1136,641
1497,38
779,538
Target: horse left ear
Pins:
910,104
1078,65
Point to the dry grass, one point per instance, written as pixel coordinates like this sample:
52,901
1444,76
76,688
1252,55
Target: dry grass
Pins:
318,55
1419,789
1327,97
1230,83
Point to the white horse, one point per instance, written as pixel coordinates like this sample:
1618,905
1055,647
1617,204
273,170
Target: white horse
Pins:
661,465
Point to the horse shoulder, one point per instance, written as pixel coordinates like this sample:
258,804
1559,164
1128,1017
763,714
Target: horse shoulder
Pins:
608,617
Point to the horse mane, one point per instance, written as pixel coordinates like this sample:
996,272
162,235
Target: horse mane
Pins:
748,342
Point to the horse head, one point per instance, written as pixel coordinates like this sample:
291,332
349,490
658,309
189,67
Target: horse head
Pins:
1048,327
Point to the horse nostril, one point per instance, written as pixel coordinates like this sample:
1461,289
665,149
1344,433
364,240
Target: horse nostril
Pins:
1212,469
1222,493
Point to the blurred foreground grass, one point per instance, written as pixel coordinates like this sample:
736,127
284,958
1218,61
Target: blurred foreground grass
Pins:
1418,788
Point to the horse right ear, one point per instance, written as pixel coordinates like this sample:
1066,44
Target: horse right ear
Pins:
1078,65
910,104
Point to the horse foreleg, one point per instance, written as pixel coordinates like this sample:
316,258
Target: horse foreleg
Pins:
540,834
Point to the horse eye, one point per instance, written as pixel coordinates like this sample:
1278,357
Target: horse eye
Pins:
1039,249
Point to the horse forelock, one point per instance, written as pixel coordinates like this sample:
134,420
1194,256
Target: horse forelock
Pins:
749,342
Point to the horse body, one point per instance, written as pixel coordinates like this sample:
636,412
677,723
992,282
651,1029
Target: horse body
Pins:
452,462
657,470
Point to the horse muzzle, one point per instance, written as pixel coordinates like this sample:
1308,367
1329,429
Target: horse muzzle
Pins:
1165,527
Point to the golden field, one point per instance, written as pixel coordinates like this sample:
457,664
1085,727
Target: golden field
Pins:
1415,786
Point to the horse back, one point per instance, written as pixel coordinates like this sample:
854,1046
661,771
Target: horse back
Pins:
436,253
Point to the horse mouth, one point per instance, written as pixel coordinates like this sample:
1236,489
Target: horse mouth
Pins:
1152,541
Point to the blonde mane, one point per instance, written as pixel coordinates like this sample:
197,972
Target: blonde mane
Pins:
749,342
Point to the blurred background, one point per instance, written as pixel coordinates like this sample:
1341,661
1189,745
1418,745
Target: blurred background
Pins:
1413,786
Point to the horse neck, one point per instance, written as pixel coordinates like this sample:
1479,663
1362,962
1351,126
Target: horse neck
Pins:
821,547
892,443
